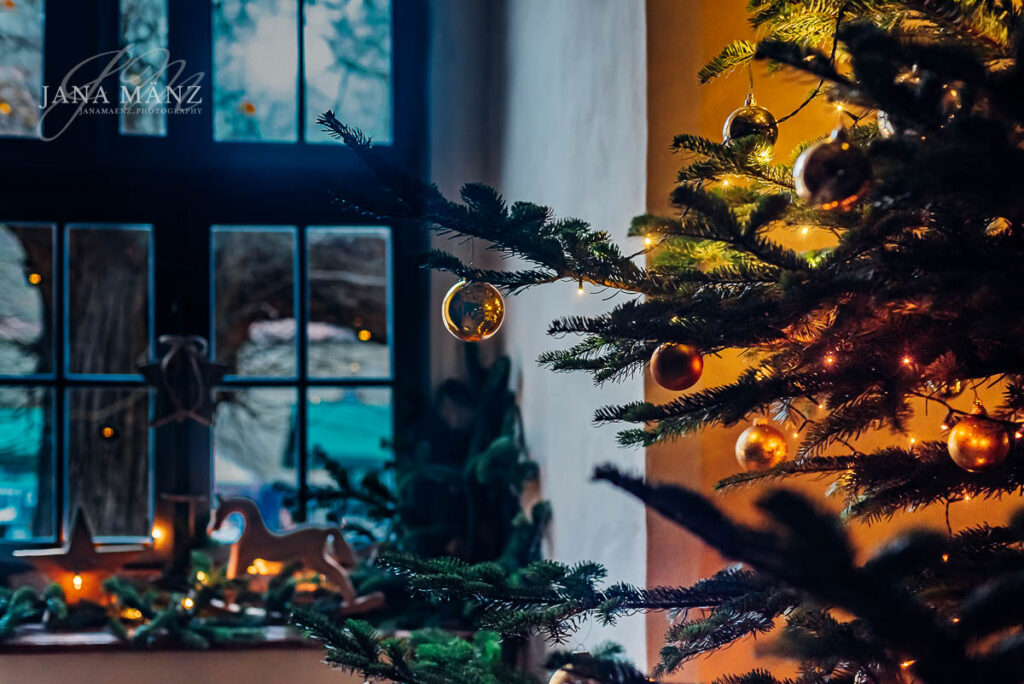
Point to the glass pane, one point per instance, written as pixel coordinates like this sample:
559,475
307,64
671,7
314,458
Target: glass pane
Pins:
348,302
108,459
144,33
348,65
21,67
255,70
353,427
254,448
26,463
108,304
26,298
254,300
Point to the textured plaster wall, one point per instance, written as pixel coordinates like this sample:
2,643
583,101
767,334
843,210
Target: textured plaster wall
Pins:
548,103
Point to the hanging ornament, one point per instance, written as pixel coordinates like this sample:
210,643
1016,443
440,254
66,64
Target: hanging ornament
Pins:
760,446
978,444
833,174
955,100
750,119
946,390
565,675
676,366
886,128
473,311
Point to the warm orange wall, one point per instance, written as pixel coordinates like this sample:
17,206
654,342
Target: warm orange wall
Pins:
682,34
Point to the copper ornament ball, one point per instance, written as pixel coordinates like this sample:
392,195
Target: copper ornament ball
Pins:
750,119
760,447
676,367
833,174
977,444
472,311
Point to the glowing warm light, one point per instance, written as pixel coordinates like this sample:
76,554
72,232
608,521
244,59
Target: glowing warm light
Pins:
839,107
5,108
845,146
967,497
821,406
648,240
187,603
913,441
107,432
945,558
76,581
157,533
907,360
1018,434
805,230
725,182
131,614
33,278
200,576
829,359
264,567
944,426
955,620
364,335
580,291
907,663
796,434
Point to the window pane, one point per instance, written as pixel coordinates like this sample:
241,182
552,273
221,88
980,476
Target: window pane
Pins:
348,302
108,298
26,298
108,459
255,70
254,448
254,300
21,67
26,463
144,32
348,65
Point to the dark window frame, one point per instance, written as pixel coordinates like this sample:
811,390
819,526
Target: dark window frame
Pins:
185,183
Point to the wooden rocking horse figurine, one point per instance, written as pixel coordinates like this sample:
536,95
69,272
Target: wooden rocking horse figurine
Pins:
321,548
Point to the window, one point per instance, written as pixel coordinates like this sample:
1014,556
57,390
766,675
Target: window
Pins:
216,221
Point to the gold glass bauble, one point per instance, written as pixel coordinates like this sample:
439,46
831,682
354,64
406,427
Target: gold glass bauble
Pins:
750,119
473,311
833,174
566,676
676,366
760,446
977,444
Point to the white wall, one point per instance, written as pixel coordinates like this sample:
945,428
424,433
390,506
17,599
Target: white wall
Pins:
552,109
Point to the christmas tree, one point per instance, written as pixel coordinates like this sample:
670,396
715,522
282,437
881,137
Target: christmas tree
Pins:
914,305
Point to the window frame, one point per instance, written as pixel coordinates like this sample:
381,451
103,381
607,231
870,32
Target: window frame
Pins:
185,183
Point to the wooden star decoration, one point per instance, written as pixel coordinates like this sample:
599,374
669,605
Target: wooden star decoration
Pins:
184,379
79,553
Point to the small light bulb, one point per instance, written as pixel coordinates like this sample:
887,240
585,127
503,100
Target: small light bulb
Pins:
725,182
76,581
365,335
1018,434
187,603
907,663
648,240
945,558
829,359
157,533
907,360
34,278
955,620
580,291
805,230
200,576
839,107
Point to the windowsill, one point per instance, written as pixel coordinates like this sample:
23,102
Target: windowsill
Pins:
34,639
